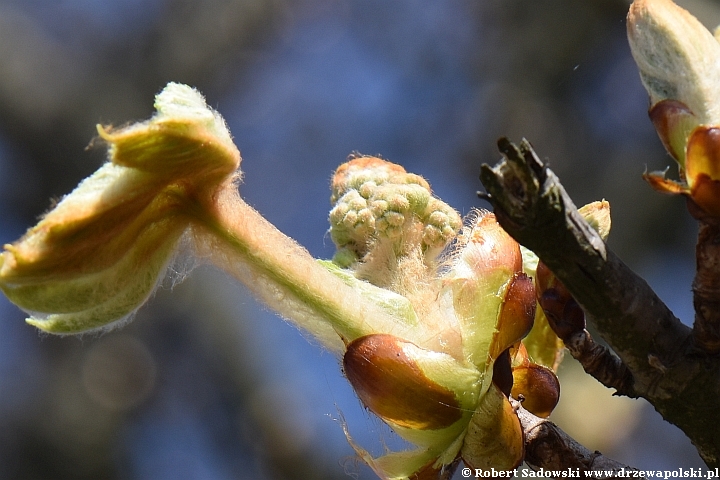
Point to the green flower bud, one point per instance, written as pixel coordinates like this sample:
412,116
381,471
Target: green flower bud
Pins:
376,203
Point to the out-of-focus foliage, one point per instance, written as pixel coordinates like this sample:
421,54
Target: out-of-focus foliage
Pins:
206,385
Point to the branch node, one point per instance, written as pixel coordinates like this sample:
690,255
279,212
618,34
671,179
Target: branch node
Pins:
601,363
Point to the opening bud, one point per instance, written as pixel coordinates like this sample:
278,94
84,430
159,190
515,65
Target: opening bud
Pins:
98,255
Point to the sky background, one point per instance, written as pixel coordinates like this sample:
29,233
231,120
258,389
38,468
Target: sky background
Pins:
205,383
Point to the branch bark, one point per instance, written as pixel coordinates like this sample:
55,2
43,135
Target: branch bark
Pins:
549,448
681,381
706,287
600,362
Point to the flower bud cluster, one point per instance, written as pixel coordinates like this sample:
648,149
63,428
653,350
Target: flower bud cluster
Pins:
374,200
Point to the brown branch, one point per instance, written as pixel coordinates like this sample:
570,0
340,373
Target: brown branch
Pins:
706,288
681,382
549,448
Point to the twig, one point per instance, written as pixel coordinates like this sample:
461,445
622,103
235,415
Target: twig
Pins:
678,379
549,448
600,362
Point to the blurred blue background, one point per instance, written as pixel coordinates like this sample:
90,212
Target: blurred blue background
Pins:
205,383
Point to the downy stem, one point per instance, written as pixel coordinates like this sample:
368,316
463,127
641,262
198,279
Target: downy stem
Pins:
237,239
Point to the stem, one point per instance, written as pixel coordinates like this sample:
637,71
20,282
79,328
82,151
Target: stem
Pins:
237,239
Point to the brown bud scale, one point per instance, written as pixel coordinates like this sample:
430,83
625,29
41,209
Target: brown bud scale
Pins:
539,386
517,313
393,386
